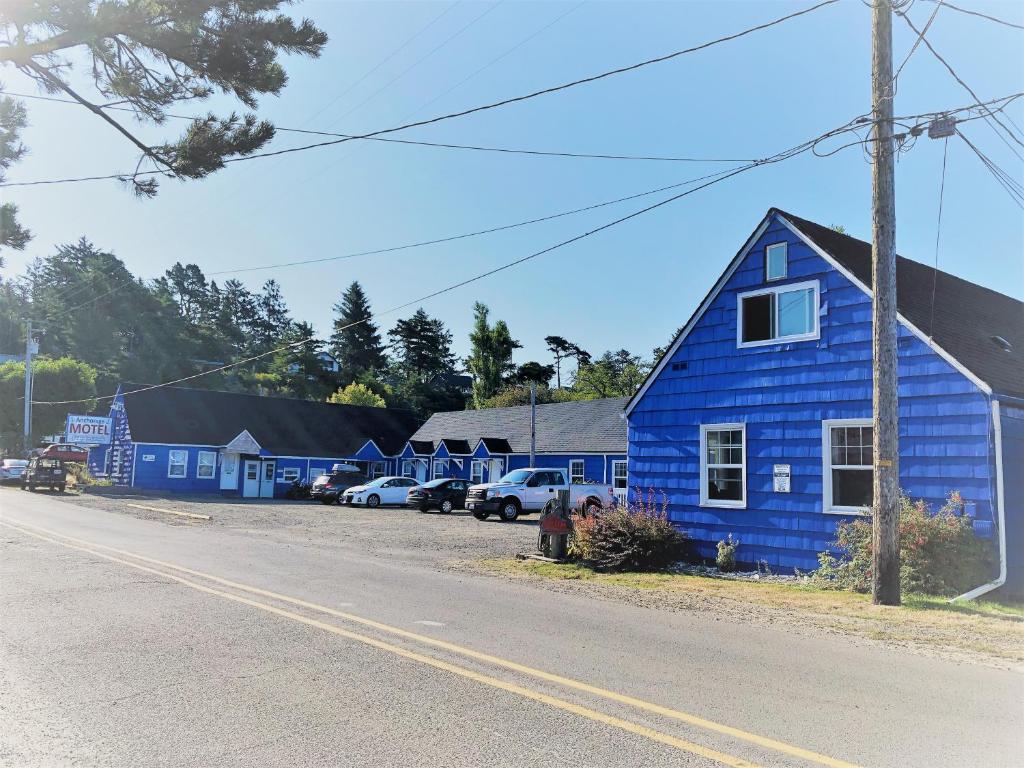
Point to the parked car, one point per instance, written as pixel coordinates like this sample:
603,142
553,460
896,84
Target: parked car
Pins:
12,469
66,452
327,489
383,490
528,490
445,495
44,471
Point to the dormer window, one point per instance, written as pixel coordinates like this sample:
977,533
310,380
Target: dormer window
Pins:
775,262
782,313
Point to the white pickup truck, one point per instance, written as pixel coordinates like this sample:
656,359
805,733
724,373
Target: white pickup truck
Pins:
528,490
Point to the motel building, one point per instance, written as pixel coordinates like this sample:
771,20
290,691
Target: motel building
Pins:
204,441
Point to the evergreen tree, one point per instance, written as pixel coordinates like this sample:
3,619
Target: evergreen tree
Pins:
13,120
490,357
355,342
423,348
156,54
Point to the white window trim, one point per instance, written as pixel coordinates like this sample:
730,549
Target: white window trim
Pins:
777,289
616,463
583,470
785,268
295,473
704,500
199,463
183,463
826,467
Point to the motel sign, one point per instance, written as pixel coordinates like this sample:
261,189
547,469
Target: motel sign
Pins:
88,430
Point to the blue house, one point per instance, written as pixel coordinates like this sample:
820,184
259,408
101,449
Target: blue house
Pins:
202,441
756,422
587,438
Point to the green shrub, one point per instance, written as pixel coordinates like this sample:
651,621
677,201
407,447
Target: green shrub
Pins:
627,537
939,553
726,558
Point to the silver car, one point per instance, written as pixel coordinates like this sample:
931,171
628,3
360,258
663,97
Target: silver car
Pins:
11,470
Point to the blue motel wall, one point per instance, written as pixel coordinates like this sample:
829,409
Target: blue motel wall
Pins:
782,393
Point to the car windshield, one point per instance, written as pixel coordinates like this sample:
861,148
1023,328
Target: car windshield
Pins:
378,482
15,463
434,483
516,476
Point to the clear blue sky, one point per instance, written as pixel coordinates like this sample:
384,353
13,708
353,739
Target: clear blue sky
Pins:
628,287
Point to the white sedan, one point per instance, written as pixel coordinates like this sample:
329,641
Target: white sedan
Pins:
383,490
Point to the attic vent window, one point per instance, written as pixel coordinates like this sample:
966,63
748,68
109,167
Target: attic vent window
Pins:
775,261
1002,343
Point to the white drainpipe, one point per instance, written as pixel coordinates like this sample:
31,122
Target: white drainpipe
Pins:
997,429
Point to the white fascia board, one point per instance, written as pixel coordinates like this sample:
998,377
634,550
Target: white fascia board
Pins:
867,289
708,301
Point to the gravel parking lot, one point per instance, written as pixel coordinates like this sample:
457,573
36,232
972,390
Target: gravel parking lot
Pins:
386,531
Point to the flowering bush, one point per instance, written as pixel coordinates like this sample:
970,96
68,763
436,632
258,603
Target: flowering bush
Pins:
627,537
939,553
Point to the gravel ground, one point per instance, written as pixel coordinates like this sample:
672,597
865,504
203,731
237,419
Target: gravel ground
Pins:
431,537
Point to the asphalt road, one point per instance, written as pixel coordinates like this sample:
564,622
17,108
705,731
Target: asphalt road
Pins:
132,641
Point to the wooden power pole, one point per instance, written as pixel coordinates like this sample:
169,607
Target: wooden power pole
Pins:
885,414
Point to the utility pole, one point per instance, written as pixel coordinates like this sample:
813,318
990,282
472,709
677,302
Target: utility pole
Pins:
885,588
29,351
533,423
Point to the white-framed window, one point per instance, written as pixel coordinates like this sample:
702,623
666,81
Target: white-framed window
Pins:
775,266
620,475
206,466
315,472
289,474
408,468
847,466
778,314
577,471
476,471
723,465
378,469
440,468
177,463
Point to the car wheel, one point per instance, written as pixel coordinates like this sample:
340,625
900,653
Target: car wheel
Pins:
24,487
326,502
424,509
509,510
61,487
373,501
447,506
481,515
591,507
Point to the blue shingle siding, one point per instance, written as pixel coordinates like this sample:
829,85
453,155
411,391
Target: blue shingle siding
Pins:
1012,421
152,473
783,393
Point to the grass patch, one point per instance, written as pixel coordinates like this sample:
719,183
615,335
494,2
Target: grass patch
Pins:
988,631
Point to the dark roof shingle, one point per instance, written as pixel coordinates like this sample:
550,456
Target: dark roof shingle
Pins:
968,318
584,426
283,426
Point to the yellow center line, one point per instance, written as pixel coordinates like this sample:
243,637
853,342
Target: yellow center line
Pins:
674,714
527,693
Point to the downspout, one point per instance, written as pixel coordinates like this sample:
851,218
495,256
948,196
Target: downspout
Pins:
997,433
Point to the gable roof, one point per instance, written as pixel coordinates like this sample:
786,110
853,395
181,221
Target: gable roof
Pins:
968,318
457,447
282,426
583,426
496,445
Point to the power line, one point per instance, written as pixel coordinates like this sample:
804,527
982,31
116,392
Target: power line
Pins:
984,16
390,249
779,157
967,88
1010,185
938,234
913,48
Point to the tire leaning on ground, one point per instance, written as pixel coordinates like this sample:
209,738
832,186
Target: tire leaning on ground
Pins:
373,501
481,515
61,487
509,510
447,506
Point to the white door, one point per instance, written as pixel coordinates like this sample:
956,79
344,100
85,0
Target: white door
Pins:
421,471
495,472
620,480
267,479
251,480
229,472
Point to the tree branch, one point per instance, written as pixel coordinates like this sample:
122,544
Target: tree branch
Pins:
96,110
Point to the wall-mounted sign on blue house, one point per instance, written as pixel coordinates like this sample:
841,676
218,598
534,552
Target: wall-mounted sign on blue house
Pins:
757,420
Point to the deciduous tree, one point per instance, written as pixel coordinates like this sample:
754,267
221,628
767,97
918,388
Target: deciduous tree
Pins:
357,394
490,357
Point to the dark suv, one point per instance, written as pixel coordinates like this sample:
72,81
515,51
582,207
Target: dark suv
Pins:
444,495
327,489
44,471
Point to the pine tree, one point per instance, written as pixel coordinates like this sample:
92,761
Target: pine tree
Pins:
423,348
356,345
